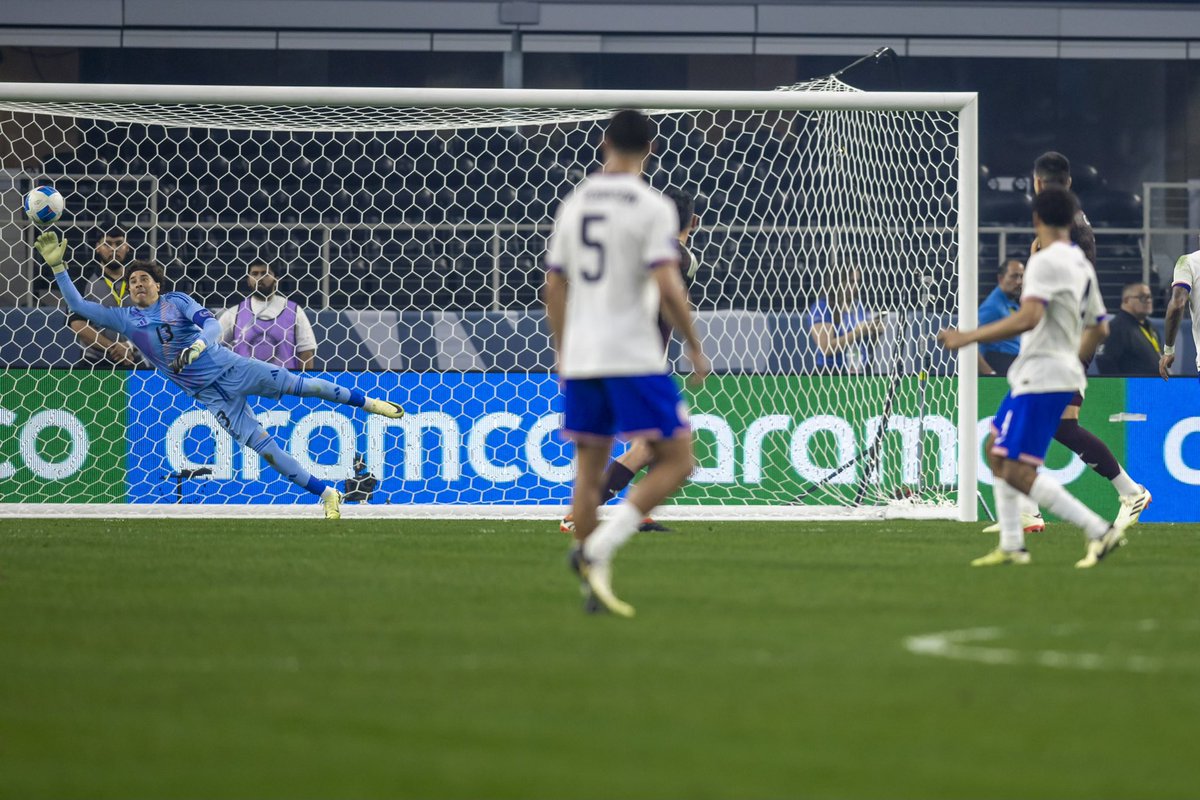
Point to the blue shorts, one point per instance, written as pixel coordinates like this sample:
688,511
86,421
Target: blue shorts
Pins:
1025,425
644,405
226,397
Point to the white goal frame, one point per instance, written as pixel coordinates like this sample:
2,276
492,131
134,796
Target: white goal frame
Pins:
963,105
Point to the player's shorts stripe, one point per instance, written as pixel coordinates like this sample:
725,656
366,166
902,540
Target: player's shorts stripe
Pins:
554,268
662,262
1028,459
1041,300
1187,286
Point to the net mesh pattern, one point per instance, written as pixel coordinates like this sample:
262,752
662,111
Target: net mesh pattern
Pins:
825,258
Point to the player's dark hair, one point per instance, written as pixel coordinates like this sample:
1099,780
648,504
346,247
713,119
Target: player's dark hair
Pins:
115,232
1052,168
261,263
150,268
1056,207
629,131
685,205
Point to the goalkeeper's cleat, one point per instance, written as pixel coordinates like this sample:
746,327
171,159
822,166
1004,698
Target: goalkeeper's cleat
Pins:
598,574
1132,507
384,408
1030,523
579,565
1098,549
650,526
567,525
1000,557
332,501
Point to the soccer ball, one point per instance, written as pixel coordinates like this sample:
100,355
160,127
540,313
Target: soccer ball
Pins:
44,205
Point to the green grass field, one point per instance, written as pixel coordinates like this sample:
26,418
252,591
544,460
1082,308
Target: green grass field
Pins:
437,659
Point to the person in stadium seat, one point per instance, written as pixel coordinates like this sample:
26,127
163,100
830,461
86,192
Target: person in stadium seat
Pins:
268,326
841,325
1061,315
1052,169
622,470
1133,346
1005,300
104,348
611,268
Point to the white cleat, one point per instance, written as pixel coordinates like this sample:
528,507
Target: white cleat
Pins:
1097,549
599,578
1132,507
1031,523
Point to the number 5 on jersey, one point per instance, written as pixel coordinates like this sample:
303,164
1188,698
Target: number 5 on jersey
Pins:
590,242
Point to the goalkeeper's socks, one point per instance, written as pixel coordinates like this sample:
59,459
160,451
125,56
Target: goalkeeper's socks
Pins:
1008,514
613,532
327,390
1053,497
287,466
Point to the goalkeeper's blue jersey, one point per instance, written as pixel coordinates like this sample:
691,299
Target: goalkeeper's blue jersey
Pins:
161,332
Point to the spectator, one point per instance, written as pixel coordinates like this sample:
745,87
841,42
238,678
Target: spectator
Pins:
996,357
104,348
1133,346
841,324
267,325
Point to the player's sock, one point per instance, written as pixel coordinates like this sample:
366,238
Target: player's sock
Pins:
326,390
613,532
1124,484
616,478
290,468
1008,514
1051,495
1088,447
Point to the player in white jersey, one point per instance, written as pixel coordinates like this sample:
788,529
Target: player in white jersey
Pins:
612,265
1061,315
1183,285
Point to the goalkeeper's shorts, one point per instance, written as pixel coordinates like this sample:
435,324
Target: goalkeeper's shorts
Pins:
631,407
226,397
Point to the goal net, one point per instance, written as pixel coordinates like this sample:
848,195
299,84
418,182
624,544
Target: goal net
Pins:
836,236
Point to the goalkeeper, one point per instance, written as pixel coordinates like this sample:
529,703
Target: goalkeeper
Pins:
181,338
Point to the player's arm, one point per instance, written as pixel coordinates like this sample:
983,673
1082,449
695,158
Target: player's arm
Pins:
202,318
89,336
1023,319
1180,294
678,313
306,341
554,294
54,252
1091,339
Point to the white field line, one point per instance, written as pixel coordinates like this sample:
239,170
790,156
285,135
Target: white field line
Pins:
970,644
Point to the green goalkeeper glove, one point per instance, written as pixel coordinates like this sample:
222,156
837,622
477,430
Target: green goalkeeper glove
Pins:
53,250
189,355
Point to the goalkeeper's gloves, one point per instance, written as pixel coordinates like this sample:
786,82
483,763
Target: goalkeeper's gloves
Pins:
53,250
188,355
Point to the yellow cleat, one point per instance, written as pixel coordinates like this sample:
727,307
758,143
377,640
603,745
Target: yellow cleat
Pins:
1030,523
1097,549
598,577
333,505
1000,557
384,408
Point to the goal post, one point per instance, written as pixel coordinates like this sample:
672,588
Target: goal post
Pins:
837,234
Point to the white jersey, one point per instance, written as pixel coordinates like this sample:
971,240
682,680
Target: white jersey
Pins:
1062,278
609,234
1187,273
